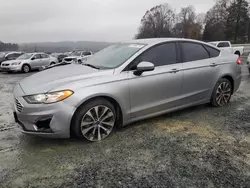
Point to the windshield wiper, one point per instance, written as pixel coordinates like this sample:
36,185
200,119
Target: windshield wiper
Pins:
92,66
56,65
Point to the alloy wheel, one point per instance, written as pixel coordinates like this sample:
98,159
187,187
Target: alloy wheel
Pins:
26,68
97,123
223,93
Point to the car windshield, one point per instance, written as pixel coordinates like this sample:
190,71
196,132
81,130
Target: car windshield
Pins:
76,53
24,56
114,56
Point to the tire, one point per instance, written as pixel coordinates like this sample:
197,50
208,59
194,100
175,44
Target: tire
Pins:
52,63
9,72
79,61
94,120
222,93
25,68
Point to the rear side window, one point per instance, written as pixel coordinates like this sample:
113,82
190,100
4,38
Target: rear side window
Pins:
161,55
223,45
212,51
193,52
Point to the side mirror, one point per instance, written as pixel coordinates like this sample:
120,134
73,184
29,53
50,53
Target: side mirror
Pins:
143,67
33,58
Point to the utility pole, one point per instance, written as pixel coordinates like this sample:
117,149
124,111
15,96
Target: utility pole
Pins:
237,21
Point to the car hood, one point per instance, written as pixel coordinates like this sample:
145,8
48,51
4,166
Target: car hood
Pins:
12,61
15,61
47,80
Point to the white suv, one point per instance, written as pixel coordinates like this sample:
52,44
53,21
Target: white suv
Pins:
28,62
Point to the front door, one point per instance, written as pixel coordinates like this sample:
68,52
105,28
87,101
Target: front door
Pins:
156,91
36,62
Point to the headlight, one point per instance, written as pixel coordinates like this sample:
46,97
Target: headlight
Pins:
16,63
48,98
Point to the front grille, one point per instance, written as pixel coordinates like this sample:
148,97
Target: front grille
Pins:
19,106
5,65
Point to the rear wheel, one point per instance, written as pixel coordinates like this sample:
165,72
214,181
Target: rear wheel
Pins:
222,93
94,120
52,63
26,68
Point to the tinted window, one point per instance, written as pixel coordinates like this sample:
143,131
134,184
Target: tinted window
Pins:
193,52
164,54
86,53
223,44
212,51
44,56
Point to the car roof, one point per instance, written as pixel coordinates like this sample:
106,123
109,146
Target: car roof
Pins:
218,41
152,41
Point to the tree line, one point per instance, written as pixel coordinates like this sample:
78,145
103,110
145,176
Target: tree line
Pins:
226,20
8,46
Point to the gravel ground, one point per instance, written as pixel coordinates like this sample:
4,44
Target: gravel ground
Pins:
197,147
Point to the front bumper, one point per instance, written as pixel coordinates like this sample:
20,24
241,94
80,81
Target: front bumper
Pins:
11,68
30,116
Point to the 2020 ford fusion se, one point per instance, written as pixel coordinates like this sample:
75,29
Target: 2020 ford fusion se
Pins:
124,83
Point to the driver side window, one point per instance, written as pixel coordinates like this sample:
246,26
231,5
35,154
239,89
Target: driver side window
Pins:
160,55
37,56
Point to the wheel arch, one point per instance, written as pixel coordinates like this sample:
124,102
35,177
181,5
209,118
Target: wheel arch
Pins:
26,64
230,78
237,53
112,100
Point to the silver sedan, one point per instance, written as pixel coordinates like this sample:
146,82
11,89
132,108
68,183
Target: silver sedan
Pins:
124,83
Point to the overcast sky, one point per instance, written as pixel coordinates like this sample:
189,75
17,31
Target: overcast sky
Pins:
85,20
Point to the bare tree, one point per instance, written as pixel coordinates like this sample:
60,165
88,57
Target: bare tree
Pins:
188,25
157,22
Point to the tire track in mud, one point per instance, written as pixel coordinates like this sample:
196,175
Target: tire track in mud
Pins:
7,128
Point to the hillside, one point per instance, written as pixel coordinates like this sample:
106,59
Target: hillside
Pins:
63,46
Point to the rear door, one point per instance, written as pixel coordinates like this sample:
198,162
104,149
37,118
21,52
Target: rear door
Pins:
45,60
158,90
200,71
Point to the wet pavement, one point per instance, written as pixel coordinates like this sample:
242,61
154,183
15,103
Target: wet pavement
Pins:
196,147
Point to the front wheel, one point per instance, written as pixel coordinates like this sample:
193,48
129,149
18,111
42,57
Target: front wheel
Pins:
94,120
222,93
26,68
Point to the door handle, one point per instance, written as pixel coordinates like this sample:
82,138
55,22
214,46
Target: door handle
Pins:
213,65
174,71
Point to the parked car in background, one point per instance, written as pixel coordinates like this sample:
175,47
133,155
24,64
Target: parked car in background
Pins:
123,83
59,56
4,56
78,56
227,46
28,62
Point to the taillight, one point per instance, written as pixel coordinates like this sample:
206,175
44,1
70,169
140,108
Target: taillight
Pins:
239,62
